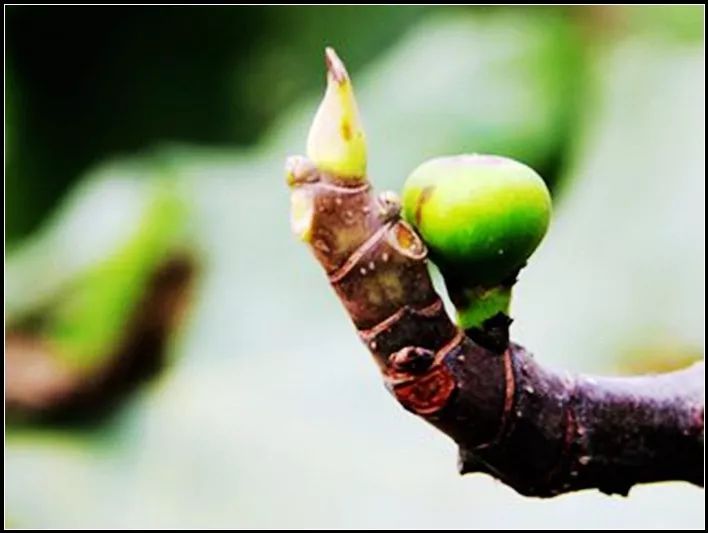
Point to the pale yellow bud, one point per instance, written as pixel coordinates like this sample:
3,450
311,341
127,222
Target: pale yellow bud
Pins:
336,142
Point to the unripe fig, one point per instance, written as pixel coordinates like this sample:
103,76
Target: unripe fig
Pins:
481,217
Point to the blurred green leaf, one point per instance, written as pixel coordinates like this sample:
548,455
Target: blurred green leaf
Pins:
677,22
93,313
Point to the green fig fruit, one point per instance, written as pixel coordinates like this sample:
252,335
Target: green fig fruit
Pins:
481,217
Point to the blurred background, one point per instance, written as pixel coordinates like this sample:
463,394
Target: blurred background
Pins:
175,358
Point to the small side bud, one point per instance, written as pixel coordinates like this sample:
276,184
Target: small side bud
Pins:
336,142
412,359
299,169
389,205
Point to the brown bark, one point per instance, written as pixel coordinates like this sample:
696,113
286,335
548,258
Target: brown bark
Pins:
541,432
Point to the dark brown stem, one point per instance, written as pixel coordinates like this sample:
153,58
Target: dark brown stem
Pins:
541,432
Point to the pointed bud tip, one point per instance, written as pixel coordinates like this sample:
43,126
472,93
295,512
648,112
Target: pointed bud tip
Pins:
335,67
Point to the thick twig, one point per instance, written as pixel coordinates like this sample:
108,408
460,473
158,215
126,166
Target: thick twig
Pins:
540,432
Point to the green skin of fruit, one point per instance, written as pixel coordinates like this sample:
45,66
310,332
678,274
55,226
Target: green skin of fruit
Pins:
481,217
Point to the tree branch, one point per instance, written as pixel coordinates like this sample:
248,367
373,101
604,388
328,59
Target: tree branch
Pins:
541,432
